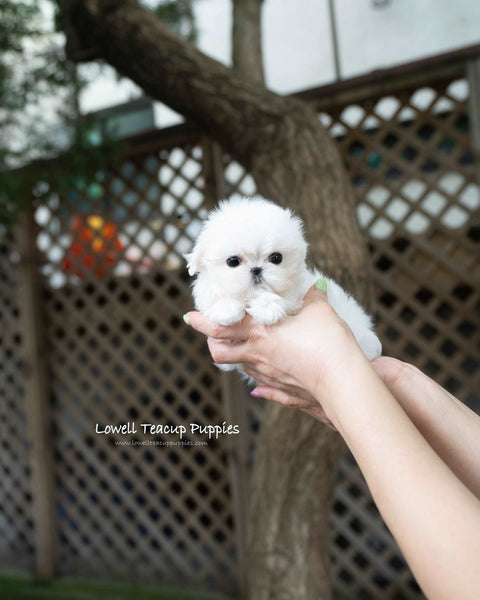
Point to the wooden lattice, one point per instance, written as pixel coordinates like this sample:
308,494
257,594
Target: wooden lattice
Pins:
120,351
114,291
410,162
411,165
16,517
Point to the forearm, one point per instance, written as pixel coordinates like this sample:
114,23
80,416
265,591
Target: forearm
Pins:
433,516
450,427
311,361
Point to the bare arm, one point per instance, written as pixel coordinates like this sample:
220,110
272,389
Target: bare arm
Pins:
433,516
450,427
311,361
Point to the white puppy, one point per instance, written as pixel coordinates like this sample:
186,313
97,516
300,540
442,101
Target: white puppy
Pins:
250,258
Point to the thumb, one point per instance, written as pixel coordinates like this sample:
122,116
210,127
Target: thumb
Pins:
317,293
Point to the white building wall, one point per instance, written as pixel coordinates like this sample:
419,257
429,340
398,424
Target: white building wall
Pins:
403,31
297,41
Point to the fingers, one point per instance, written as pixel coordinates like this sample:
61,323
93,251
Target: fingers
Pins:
227,353
290,401
317,293
390,370
241,331
237,332
271,393
397,374
405,381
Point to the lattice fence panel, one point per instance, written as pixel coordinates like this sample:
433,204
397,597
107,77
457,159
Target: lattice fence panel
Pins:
114,292
120,352
16,519
410,162
411,165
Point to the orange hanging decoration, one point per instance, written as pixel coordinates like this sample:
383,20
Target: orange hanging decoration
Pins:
95,247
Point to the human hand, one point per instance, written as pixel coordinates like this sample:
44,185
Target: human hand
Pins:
298,361
407,382
450,427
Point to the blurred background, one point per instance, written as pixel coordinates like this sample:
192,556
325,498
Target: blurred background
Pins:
102,190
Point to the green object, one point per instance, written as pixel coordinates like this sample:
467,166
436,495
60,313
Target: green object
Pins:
321,285
34,69
95,190
374,160
19,586
186,319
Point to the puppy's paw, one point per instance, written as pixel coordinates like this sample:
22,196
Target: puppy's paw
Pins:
226,312
267,311
246,378
294,306
227,368
370,344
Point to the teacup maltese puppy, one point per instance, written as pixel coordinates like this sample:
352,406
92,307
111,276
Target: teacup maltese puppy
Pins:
250,258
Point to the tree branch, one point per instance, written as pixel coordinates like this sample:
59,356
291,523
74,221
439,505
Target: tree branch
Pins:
294,162
279,140
141,47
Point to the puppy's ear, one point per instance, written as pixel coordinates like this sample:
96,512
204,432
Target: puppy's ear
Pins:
194,260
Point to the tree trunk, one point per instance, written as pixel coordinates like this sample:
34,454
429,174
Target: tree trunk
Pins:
247,55
281,142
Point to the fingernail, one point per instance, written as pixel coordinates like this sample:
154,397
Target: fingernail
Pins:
255,394
321,285
186,319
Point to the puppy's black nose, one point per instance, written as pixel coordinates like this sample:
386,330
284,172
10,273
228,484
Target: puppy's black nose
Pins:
256,271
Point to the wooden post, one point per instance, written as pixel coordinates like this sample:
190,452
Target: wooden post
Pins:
473,75
333,29
212,172
233,391
234,403
37,400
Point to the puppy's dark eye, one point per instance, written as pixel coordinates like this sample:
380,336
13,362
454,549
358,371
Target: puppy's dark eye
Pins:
275,258
233,261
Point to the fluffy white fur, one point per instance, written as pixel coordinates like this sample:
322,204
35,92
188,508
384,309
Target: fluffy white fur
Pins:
253,229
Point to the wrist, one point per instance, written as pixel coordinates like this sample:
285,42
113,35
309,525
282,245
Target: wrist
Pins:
341,381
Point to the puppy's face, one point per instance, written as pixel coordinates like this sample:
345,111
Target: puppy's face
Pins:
249,244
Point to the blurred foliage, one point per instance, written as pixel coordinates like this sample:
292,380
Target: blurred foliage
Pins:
178,14
19,586
40,115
